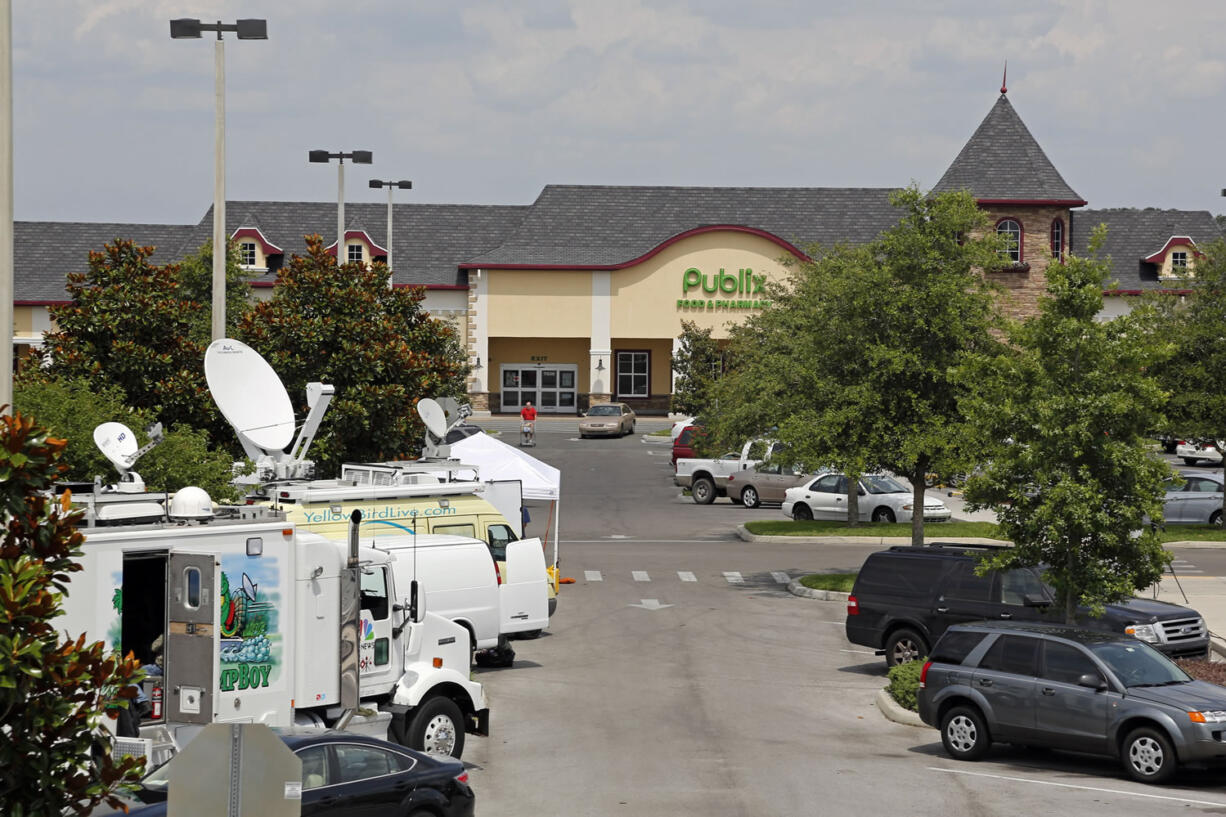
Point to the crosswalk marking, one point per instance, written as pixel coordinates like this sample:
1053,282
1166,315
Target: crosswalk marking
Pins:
780,577
733,577
640,575
686,576
592,575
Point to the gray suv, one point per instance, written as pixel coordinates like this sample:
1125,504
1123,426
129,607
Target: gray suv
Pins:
1065,688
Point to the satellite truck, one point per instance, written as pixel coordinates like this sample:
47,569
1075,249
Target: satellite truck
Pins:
253,620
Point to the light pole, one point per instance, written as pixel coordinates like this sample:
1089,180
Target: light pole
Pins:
390,185
190,29
6,205
358,157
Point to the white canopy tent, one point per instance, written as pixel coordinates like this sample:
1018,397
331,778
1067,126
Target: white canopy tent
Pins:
495,460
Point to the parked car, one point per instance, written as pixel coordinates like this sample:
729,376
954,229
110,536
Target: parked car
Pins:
707,478
679,426
345,774
607,420
882,499
1197,502
683,443
1193,451
905,598
1073,689
765,482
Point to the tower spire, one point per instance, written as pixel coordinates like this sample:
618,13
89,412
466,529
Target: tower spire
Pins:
1003,86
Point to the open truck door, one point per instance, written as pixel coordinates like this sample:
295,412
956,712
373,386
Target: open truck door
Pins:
524,594
191,643
507,497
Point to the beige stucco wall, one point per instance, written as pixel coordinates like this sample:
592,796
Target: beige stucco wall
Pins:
1167,271
661,350
539,350
530,304
645,296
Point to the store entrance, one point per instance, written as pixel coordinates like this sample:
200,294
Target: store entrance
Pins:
550,387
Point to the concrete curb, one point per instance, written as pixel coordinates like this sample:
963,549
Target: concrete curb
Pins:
892,711
745,535
798,589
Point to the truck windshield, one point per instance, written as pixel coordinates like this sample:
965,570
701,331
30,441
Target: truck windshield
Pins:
1139,665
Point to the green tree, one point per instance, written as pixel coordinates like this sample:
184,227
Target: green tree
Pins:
72,409
1196,325
53,691
196,285
698,363
1074,398
376,345
852,362
137,326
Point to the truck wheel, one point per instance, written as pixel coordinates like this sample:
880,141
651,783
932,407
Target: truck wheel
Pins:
703,491
749,497
904,646
802,513
1148,755
437,728
964,734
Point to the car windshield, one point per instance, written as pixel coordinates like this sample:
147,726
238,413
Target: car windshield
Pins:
1139,665
877,484
604,411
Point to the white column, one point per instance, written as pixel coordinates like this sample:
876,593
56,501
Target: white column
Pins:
6,205
219,194
602,341
672,374
481,335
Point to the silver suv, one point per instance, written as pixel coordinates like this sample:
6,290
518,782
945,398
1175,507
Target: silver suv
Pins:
1064,688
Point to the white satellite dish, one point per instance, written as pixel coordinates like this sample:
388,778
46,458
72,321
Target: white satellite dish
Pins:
433,416
249,394
118,444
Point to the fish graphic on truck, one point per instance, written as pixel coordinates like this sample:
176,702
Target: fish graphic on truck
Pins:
250,645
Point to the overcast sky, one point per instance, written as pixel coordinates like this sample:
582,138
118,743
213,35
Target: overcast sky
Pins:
486,102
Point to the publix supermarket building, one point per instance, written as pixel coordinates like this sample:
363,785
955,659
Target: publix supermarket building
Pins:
580,296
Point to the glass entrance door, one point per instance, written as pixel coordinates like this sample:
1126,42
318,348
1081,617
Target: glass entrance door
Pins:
551,388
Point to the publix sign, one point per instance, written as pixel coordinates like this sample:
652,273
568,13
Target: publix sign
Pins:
722,290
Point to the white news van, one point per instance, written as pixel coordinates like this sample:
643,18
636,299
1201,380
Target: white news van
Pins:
265,623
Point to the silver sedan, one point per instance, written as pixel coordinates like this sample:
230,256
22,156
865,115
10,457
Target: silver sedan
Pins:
1197,502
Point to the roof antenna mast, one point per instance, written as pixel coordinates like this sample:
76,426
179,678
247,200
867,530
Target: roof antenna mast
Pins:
1004,78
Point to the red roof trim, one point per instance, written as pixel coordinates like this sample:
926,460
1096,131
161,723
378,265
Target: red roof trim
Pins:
269,284
1036,202
254,232
1143,291
711,228
41,303
375,249
1173,241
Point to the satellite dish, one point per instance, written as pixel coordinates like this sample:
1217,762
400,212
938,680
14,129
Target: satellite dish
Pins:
249,394
118,444
433,416
451,409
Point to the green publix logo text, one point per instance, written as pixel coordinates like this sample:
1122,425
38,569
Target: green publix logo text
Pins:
744,283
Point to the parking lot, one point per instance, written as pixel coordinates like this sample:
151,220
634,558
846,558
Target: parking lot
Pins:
680,677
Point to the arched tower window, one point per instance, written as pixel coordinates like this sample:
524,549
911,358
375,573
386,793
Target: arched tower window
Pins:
1011,230
1057,239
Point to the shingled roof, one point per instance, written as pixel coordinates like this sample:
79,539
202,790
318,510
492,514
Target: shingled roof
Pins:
44,252
1133,235
603,227
1003,163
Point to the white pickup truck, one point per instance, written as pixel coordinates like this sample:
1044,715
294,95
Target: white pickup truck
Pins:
706,478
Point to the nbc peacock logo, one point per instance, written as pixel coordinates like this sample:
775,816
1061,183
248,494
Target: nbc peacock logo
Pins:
368,630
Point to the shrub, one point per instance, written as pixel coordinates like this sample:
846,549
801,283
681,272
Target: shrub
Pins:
904,683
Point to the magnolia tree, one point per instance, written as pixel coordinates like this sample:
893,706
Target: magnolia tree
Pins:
55,690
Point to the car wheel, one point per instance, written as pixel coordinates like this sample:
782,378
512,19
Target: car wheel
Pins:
904,646
1215,518
802,513
1189,460
964,734
749,497
883,515
703,491
437,728
1149,756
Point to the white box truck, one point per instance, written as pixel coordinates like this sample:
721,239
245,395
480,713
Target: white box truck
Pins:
265,623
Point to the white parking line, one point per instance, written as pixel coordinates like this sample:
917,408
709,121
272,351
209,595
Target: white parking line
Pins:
781,577
592,575
686,576
1083,788
733,577
640,575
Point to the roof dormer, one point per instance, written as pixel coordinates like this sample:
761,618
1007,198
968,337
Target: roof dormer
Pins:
254,248
359,248
1176,259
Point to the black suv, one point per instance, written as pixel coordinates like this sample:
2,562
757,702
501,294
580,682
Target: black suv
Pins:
1065,688
905,597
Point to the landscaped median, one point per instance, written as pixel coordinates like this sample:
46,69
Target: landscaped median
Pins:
892,533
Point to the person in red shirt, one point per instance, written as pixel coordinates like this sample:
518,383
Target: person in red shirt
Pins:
528,415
